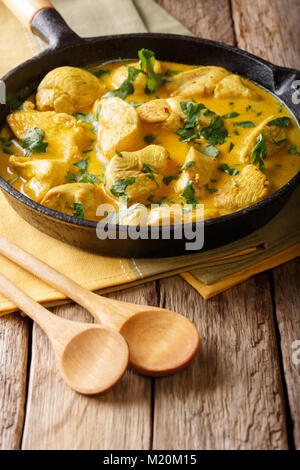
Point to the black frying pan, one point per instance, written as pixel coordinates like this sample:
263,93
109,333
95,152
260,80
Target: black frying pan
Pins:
66,48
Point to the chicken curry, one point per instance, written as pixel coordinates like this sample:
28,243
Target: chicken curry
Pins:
148,132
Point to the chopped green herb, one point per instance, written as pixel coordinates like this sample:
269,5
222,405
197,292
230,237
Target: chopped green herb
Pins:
189,192
119,187
192,111
82,164
84,176
187,165
147,62
98,112
279,142
170,72
259,152
216,132
211,151
149,138
167,179
236,132
231,115
119,154
148,170
259,114
13,102
293,150
208,112
248,108
226,169
89,117
78,210
99,73
186,135
126,88
34,141
281,122
231,146
245,124
134,104
211,190
13,180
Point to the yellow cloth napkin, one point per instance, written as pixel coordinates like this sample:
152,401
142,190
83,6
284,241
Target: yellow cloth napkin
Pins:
209,272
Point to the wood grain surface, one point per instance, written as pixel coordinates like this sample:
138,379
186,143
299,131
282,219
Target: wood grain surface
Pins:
242,390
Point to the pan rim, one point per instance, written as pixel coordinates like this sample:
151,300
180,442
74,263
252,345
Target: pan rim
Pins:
71,220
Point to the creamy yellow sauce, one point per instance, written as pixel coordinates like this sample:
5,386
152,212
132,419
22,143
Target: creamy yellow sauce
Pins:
279,168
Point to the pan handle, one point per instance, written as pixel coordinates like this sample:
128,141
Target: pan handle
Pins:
44,20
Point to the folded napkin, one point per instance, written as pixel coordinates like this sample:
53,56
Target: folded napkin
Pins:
209,272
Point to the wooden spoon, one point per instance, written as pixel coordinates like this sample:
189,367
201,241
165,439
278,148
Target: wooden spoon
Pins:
160,341
91,358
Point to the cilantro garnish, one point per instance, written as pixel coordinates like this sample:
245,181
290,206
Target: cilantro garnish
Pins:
126,88
231,115
99,73
149,138
293,150
6,142
216,132
245,124
89,117
33,141
78,210
226,169
259,152
189,192
231,146
211,151
147,62
84,176
120,185
281,122
187,165
167,179
186,135
210,190
192,111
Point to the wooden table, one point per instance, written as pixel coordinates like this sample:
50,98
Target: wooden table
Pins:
242,390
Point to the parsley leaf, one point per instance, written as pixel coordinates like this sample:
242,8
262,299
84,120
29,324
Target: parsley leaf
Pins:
186,135
167,179
126,88
231,146
226,169
89,117
84,176
33,141
211,190
189,192
170,72
216,132
120,185
192,111
211,151
245,124
231,115
259,152
78,210
187,165
293,150
99,73
149,138
147,62
281,122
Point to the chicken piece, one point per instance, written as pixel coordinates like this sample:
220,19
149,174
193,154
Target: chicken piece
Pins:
197,172
161,111
121,125
232,87
251,186
197,82
68,90
136,175
62,198
275,137
65,136
41,175
120,74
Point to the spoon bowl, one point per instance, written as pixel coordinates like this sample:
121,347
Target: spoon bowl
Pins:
94,360
160,340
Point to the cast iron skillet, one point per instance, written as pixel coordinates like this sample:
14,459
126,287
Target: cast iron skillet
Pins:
66,48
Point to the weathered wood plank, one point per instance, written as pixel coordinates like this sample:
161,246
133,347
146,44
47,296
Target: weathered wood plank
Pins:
287,298
269,29
13,368
210,20
231,396
58,418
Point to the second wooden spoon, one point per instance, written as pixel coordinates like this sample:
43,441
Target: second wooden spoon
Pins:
160,341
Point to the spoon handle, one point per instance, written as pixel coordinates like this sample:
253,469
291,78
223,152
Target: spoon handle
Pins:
45,319
110,312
